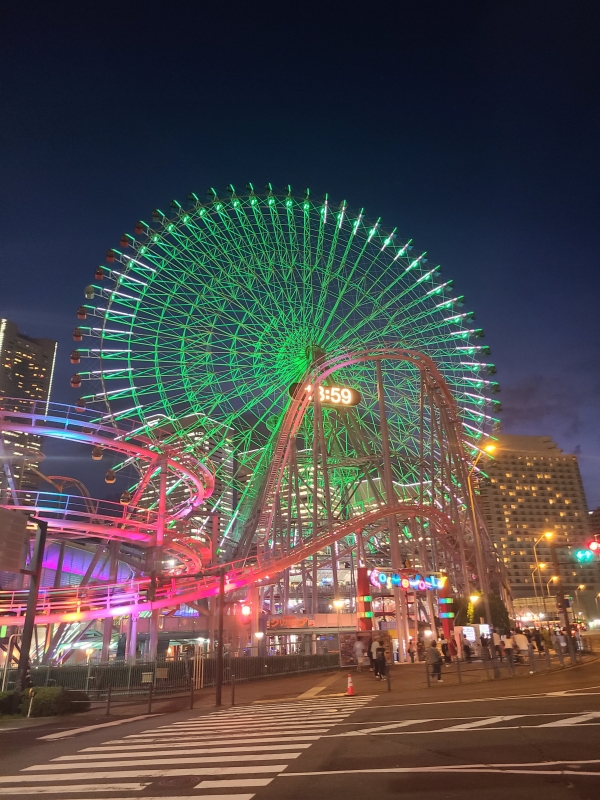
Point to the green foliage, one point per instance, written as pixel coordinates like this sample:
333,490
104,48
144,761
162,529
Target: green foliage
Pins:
48,701
466,613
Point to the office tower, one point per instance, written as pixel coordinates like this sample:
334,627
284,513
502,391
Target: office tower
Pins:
535,488
26,371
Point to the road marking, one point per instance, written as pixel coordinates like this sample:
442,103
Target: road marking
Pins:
403,724
150,762
499,768
563,723
115,746
80,787
310,693
187,751
465,726
76,731
235,784
144,773
222,738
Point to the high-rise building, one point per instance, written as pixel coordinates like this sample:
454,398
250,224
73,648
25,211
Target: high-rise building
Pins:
535,488
26,371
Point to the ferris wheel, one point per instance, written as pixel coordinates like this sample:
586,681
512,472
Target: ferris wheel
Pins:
198,326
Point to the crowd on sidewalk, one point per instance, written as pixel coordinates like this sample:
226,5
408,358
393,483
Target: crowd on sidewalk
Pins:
515,647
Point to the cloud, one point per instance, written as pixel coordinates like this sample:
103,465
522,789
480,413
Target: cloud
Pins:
545,403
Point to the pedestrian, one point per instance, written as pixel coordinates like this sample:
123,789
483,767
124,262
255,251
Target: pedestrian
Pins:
411,651
380,660
537,638
452,649
445,650
498,645
467,651
420,650
508,648
434,659
359,652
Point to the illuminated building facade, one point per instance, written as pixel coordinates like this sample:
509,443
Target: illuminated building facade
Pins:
26,371
535,488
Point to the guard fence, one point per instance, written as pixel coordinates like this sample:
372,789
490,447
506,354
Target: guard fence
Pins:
168,677
510,665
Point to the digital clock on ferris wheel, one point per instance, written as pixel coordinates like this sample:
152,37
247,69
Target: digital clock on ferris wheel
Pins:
330,395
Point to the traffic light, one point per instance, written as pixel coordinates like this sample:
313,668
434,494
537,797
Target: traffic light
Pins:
246,612
584,556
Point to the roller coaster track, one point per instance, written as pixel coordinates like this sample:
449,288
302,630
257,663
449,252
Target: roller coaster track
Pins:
96,602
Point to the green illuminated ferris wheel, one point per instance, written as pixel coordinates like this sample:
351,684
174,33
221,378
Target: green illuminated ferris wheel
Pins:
200,322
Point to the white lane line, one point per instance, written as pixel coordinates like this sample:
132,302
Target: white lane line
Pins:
127,746
304,726
303,732
80,787
564,723
521,766
235,784
404,724
150,762
187,752
466,726
76,731
220,723
324,683
144,773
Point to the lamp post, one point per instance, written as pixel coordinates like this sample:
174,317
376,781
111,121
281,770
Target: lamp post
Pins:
489,448
547,536
597,609
577,590
560,596
533,571
338,605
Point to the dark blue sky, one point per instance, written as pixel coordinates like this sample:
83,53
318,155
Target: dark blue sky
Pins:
472,127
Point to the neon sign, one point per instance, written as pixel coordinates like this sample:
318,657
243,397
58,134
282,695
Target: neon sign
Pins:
416,582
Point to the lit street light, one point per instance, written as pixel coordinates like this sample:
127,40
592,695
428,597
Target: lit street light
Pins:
338,605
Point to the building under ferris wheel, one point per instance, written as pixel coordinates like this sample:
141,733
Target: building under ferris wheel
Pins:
327,375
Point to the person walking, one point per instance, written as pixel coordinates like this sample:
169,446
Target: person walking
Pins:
452,648
411,651
359,654
434,659
509,644
420,650
380,660
445,650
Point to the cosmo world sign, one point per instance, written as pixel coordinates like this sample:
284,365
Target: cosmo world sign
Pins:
406,581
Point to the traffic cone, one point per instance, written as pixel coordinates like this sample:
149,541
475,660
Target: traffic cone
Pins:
350,692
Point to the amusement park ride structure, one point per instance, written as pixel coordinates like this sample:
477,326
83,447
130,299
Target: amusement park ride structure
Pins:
313,476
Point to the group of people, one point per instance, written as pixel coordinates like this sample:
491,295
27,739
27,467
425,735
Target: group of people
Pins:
373,655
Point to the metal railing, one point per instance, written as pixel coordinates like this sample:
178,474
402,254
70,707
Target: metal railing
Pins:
517,664
166,677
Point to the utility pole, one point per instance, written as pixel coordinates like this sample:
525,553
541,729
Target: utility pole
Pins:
35,574
560,596
219,653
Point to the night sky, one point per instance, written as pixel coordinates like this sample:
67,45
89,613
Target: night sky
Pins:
471,126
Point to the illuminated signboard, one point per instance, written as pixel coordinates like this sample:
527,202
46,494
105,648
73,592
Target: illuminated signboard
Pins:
469,633
331,395
406,582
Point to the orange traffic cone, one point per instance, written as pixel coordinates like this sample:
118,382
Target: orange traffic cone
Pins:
350,692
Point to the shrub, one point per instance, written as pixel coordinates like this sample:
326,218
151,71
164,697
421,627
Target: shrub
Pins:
48,701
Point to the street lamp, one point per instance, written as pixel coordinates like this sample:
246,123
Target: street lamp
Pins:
533,571
553,579
577,590
547,536
488,448
338,605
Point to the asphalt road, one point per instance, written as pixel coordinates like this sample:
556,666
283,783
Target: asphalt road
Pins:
495,739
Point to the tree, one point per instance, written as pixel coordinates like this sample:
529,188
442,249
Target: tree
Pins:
467,613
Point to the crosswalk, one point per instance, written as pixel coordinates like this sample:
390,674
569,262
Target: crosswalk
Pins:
234,752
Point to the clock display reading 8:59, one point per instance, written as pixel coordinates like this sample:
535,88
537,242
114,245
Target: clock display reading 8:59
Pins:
330,395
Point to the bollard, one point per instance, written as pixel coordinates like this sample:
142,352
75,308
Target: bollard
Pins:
427,674
389,680
530,658
31,696
457,660
108,697
571,650
232,689
150,690
192,694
